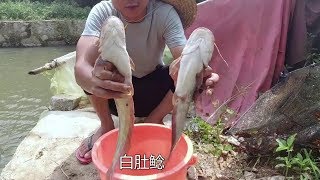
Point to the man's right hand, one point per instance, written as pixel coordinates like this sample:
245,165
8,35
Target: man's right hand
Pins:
107,82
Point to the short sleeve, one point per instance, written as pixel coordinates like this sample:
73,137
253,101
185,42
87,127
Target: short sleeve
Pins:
174,32
95,20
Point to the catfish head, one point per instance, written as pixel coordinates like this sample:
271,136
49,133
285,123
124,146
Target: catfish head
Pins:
112,33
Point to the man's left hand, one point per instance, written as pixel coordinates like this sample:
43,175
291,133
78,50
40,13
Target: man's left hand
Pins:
209,77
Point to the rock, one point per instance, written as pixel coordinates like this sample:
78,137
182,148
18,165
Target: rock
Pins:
23,34
275,114
233,140
2,39
56,43
272,178
49,150
192,173
30,42
64,103
44,37
278,178
249,175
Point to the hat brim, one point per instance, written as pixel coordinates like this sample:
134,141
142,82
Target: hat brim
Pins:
187,10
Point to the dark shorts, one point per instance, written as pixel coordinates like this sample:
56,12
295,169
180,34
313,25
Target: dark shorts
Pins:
148,91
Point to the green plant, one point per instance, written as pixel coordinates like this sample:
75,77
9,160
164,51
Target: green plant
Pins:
209,138
302,163
313,57
285,145
28,10
167,56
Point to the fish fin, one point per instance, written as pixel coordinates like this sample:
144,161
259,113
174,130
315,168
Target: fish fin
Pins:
97,44
199,80
173,127
133,66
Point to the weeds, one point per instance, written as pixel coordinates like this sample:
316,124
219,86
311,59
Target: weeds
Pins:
301,163
209,138
28,10
313,57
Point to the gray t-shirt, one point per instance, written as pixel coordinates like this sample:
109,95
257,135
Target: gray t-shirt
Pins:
145,40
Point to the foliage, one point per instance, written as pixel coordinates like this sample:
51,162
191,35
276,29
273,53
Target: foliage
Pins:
313,56
28,10
209,138
302,162
167,56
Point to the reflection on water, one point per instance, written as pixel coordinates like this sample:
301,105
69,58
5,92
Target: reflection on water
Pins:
23,97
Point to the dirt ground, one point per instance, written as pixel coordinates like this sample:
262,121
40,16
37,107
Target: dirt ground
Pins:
231,167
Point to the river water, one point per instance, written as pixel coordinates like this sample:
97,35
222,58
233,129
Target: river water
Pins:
23,97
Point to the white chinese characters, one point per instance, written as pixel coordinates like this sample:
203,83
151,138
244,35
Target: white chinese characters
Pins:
142,162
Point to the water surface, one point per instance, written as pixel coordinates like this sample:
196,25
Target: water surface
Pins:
23,97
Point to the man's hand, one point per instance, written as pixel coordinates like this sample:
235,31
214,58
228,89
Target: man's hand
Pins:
209,77
107,81
94,75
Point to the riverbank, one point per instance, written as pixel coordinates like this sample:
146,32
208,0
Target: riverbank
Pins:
48,152
40,33
41,23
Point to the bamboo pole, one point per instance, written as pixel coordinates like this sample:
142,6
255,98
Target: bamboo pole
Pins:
53,64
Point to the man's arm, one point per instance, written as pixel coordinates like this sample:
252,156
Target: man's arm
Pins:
101,79
176,52
86,55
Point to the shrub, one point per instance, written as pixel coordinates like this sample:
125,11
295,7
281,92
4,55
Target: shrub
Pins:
35,10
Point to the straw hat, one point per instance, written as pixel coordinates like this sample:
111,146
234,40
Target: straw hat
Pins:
187,10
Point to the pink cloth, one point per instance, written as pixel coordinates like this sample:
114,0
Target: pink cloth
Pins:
251,35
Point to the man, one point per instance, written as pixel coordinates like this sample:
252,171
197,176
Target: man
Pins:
150,25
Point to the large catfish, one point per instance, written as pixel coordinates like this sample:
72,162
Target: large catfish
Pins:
112,48
195,58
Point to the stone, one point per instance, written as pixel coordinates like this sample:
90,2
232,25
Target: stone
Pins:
192,173
23,34
272,178
48,152
277,178
233,140
44,37
64,102
30,42
2,39
249,175
56,43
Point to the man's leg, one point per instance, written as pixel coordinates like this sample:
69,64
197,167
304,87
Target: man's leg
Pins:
102,109
154,95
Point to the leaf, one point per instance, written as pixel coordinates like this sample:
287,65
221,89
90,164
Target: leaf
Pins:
280,158
299,156
291,140
282,145
306,169
228,147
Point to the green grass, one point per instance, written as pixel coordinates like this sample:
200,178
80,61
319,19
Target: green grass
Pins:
28,10
209,138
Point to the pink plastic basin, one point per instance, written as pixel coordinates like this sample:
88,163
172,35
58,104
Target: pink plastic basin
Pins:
149,142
